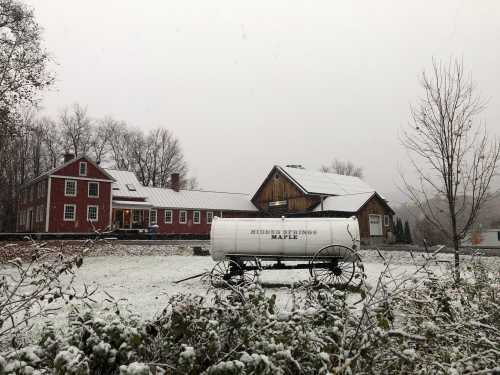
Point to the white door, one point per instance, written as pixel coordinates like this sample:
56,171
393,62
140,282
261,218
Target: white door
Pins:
375,225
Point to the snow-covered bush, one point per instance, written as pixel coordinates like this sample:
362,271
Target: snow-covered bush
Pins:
36,287
403,324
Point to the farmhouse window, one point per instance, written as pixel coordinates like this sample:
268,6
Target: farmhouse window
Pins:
168,216
210,217
196,217
30,192
386,220
136,216
93,190
83,168
182,217
92,213
152,217
70,188
69,212
498,235
42,213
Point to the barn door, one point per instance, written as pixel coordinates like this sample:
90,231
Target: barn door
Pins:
375,225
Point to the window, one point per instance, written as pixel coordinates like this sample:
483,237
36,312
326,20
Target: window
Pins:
42,213
136,216
386,220
498,235
69,212
375,222
83,168
70,188
210,217
93,190
168,216
30,193
152,217
131,187
183,217
92,213
196,217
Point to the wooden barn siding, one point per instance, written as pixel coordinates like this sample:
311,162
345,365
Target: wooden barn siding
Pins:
280,189
58,200
373,207
37,201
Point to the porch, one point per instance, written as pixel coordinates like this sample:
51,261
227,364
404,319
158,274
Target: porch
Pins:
130,215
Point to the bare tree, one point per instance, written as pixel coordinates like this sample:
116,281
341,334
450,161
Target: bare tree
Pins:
346,168
76,130
453,156
99,139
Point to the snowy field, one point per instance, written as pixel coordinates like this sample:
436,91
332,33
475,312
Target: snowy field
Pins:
146,282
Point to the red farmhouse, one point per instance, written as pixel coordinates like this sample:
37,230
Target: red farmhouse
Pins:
80,196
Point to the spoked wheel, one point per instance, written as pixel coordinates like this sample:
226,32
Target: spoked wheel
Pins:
334,265
230,272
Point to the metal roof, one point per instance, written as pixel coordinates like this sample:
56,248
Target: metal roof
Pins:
122,179
131,204
345,203
198,199
314,182
169,198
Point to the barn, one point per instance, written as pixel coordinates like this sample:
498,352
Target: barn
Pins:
295,191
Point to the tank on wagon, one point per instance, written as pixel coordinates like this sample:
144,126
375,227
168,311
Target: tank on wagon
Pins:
325,246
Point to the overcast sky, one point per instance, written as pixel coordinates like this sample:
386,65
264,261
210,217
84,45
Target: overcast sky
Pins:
245,85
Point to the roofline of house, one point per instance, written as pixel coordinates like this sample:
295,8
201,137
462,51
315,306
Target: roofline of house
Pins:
54,170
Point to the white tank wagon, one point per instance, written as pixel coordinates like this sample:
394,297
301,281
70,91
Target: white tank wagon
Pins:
325,246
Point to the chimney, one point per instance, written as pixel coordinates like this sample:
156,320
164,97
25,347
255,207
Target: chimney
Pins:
68,156
175,181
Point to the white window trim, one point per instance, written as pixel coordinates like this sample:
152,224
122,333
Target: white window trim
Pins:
199,217
186,217
66,188
74,212
156,217
80,168
171,216
96,213
212,218
88,189
387,222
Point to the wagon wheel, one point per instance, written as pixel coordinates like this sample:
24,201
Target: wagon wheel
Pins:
230,272
334,265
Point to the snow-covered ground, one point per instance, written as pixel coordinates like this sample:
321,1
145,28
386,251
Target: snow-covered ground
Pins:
147,282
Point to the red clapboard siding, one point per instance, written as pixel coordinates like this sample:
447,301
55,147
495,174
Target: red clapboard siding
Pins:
58,200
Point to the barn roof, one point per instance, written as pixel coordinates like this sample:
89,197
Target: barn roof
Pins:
314,182
198,199
345,203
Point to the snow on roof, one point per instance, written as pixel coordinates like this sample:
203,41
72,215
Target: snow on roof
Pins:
314,182
192,199
345,203
123,178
